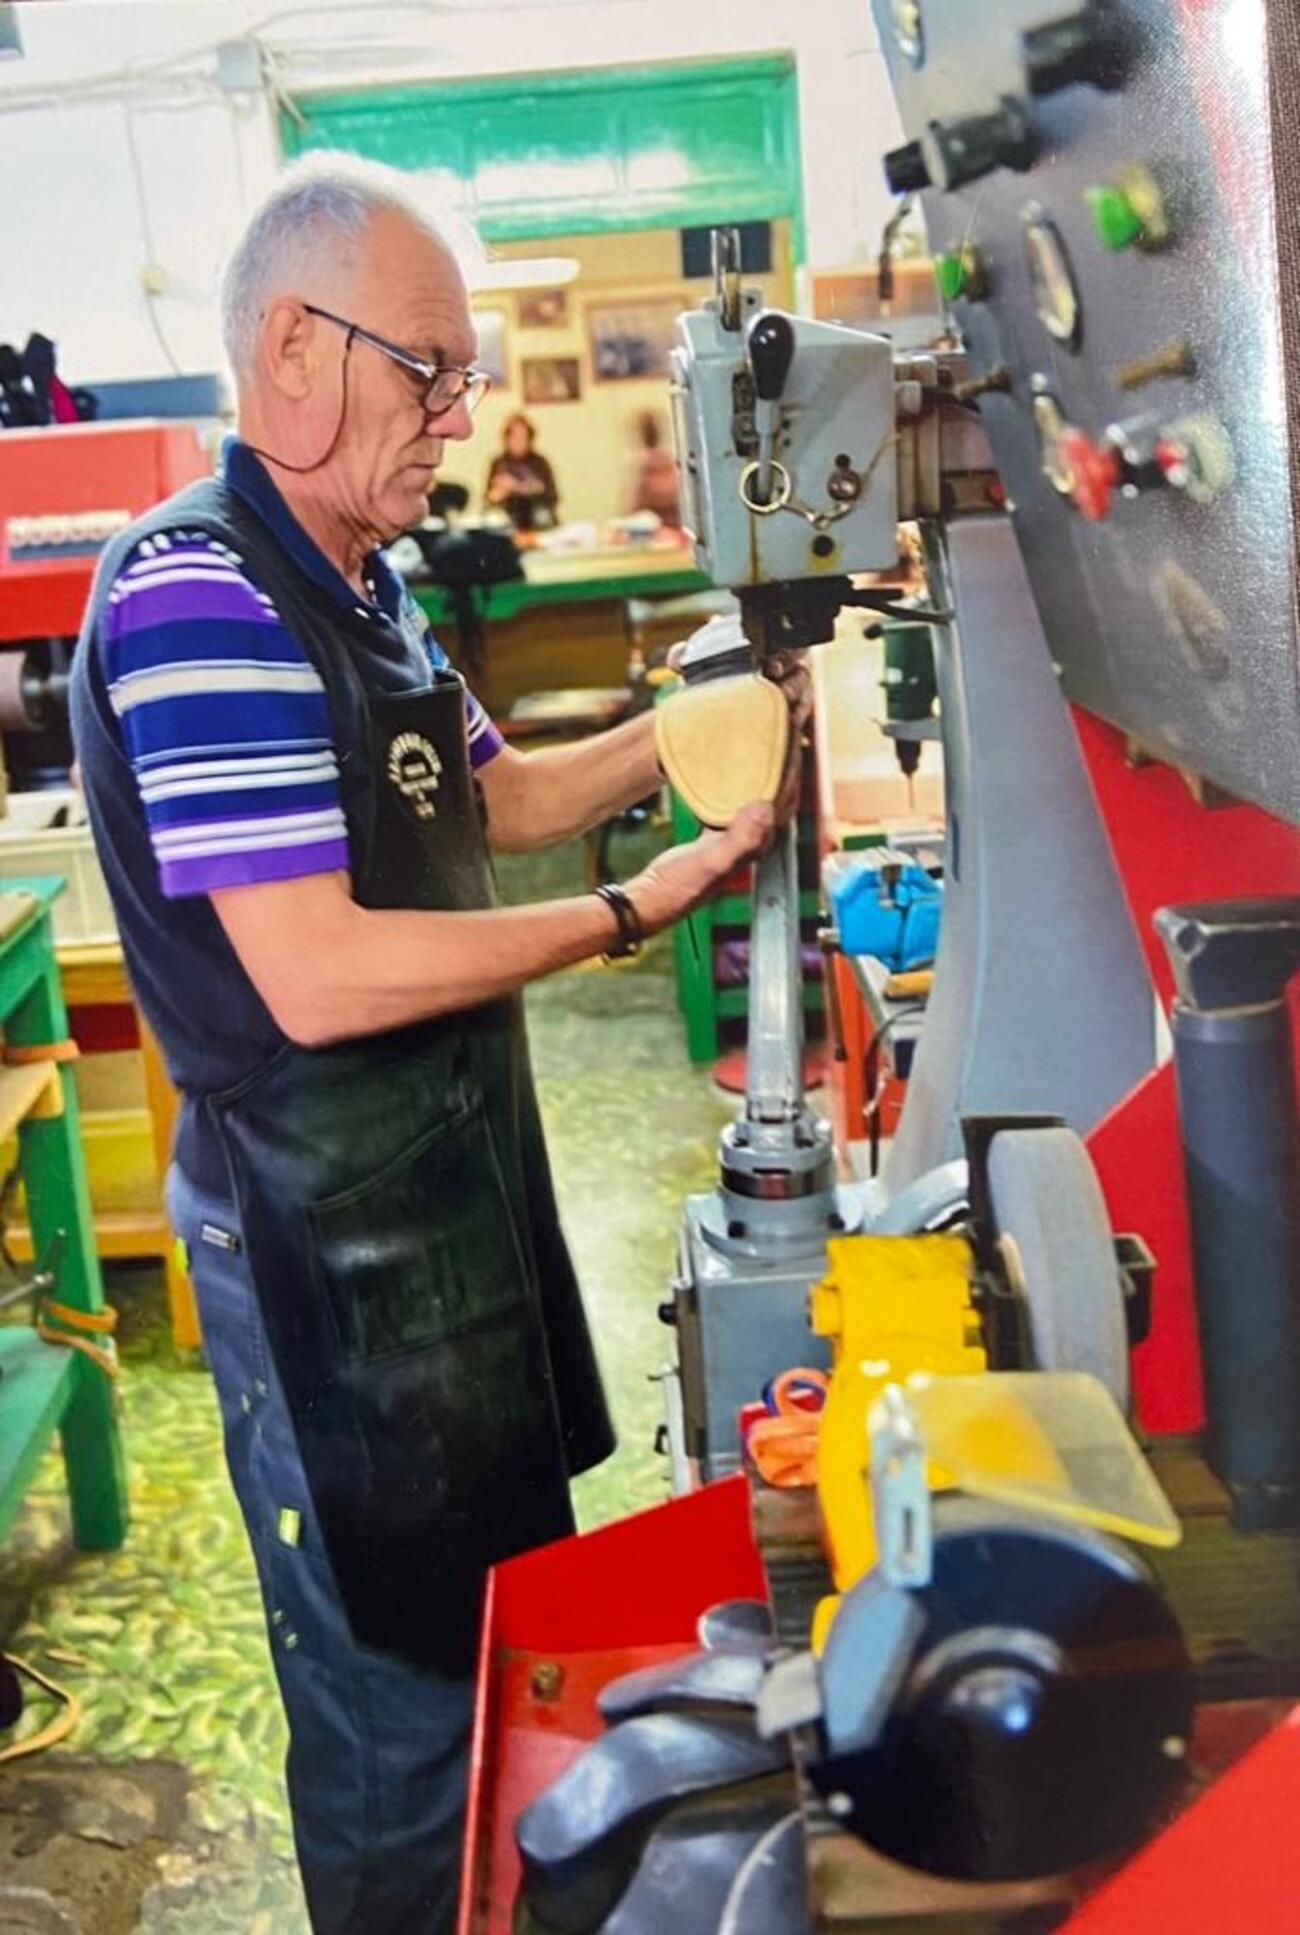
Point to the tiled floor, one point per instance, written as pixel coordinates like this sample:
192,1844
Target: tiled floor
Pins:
171,1817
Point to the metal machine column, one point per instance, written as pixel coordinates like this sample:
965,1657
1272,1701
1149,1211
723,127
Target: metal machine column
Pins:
1041,999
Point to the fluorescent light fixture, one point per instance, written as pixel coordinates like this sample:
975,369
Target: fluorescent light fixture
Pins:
528,272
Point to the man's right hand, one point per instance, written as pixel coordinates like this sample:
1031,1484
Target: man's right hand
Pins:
681,878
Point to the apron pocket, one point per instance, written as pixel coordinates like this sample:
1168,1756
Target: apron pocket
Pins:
423,1251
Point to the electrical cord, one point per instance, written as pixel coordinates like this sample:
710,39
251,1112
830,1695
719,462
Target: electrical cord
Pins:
885,259
874,1081
146,233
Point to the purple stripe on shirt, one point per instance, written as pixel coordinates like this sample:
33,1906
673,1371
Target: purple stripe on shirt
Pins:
216,870
197,599
486,746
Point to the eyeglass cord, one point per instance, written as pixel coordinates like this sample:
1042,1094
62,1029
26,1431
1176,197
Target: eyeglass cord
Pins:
304,470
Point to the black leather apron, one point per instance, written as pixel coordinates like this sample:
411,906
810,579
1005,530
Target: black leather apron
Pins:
400,1223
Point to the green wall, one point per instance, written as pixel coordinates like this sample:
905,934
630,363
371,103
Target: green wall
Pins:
579,153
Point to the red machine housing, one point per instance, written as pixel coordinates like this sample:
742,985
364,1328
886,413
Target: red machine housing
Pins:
64,490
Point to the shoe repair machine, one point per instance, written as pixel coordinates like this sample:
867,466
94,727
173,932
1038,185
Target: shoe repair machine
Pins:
1040,1582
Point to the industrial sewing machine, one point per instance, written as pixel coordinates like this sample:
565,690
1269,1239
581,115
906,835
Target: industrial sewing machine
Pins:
971,1682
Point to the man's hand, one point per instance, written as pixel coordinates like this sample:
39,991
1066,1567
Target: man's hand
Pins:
678,881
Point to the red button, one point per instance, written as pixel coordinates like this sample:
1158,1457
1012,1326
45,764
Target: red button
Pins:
1094,471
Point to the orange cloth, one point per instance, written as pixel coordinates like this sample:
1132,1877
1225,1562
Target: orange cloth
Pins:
784,1447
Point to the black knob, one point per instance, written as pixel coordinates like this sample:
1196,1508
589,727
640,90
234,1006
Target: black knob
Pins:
960,151
1093,47
905,170
667,1313
771,352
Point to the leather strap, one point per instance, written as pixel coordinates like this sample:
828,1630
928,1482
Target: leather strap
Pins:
630,932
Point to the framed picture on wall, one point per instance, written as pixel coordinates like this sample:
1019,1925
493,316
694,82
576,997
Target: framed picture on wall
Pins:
550,379
632,339
491,327
543,308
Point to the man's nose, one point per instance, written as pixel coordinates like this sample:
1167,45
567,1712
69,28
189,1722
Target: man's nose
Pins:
455,424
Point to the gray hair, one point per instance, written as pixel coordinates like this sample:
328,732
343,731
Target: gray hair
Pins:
319,208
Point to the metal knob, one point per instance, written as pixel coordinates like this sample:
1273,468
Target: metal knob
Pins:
771,351
1093,47
956,152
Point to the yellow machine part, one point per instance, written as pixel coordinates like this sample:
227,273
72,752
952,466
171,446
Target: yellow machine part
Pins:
890,1306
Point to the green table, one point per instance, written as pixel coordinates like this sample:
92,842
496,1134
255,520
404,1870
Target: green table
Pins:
551,578
46,1387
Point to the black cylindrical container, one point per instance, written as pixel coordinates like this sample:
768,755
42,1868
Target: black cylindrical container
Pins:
1236,1103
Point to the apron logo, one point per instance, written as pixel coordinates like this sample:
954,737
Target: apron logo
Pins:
415,769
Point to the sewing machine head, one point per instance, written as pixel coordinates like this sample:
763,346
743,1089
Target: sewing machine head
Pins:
785,448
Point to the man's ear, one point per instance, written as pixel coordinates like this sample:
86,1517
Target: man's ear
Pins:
290,347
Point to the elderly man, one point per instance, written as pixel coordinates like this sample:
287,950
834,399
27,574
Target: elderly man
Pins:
293,795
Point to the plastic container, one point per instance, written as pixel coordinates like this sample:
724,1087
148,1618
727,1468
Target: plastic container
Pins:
32,843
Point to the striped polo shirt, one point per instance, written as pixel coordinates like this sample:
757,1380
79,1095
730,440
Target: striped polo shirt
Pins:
222,715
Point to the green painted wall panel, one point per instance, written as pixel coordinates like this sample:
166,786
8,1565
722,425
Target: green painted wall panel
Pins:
582,153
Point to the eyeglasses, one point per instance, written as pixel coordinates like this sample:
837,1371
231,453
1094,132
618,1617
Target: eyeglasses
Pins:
445,384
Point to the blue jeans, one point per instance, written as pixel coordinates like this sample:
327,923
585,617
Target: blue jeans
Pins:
378,1751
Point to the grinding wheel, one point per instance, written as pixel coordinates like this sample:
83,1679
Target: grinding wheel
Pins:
1044,1716
1061,1254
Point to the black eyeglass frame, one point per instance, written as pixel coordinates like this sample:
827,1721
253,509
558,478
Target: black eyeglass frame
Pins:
472,388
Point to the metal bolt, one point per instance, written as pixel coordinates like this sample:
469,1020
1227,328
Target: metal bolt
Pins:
1174,1747
547,1680
1171,359
996,380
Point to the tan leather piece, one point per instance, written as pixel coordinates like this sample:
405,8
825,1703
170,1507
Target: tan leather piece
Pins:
724,744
